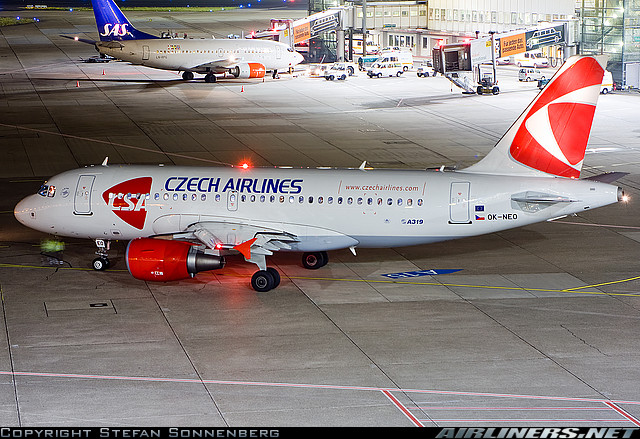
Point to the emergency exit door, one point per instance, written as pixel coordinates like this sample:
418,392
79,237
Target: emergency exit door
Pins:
82,198
459,203
232,201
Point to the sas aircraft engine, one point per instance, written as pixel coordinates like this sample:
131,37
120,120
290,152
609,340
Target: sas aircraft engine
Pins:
164,260
248,70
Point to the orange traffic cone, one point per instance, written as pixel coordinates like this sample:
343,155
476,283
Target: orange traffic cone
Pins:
77,83
242,89
103,72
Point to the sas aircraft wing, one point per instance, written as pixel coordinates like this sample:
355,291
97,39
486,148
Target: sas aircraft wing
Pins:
216,65
243,69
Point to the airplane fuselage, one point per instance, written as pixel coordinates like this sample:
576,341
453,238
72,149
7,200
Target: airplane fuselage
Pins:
194,54
325,209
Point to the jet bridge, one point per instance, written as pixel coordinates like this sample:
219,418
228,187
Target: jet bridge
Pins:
461,62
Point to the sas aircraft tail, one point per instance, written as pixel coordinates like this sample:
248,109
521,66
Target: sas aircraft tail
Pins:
550,136
113,25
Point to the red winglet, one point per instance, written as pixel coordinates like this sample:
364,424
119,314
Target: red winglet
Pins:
245,248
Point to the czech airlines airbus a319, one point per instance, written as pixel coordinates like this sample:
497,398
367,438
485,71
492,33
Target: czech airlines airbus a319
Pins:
243,58
182,220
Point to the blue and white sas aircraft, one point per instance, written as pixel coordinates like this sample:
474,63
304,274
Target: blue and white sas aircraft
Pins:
243,58
182,220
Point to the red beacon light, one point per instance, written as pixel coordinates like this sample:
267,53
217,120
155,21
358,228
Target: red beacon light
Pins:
245,165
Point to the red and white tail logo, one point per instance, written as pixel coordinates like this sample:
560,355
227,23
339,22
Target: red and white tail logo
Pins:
128,200
551,135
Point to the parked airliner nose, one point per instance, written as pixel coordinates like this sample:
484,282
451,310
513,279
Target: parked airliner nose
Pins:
297,58
25,211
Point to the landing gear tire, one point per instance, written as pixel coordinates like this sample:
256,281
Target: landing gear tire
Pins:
210,78
315,260
187,76
262,281
276,276
101,264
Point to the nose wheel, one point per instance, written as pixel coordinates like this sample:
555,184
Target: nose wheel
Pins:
101,263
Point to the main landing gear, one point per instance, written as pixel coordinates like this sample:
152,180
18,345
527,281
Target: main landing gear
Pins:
267,279
101,263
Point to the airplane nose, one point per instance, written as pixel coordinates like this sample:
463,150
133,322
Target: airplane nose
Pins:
299,58
25,211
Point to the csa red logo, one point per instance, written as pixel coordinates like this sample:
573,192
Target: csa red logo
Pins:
128,200
554,134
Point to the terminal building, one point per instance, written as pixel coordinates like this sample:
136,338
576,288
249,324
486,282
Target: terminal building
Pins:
611,27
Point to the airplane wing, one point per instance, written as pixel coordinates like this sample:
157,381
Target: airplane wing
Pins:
108,44
82,40
218,65
254,243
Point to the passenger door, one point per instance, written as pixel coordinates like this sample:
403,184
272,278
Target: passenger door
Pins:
459,203
82,198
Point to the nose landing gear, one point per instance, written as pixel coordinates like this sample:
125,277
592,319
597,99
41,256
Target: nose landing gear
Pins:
102,262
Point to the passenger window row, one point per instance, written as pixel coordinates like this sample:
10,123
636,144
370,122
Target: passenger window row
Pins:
292,199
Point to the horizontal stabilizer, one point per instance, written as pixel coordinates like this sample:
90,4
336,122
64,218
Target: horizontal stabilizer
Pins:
608,177
538,197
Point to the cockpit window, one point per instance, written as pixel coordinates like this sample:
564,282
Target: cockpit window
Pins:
47,190
289,49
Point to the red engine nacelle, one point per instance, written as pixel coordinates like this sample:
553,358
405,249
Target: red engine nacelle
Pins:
248,70
165,260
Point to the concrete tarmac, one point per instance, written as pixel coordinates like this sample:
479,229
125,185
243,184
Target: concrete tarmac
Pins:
540,327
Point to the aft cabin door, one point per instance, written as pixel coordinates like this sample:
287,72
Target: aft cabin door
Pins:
145,53
459,203
82,200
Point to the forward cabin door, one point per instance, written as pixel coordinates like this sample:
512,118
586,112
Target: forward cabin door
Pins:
82,198
459,202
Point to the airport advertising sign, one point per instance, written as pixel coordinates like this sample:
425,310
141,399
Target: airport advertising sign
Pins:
512,45
545,37
530,40
301,33
316,24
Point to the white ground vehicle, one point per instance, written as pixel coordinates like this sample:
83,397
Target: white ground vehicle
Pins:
534,59
339,70
380,69
607,83
530,75
405,57
426,70
372,48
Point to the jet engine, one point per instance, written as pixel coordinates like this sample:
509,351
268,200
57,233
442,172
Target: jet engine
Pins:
248,70
164,260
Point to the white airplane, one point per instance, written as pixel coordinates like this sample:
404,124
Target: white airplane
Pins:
182,220
243,58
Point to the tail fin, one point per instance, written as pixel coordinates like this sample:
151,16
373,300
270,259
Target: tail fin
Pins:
113,25
551,135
